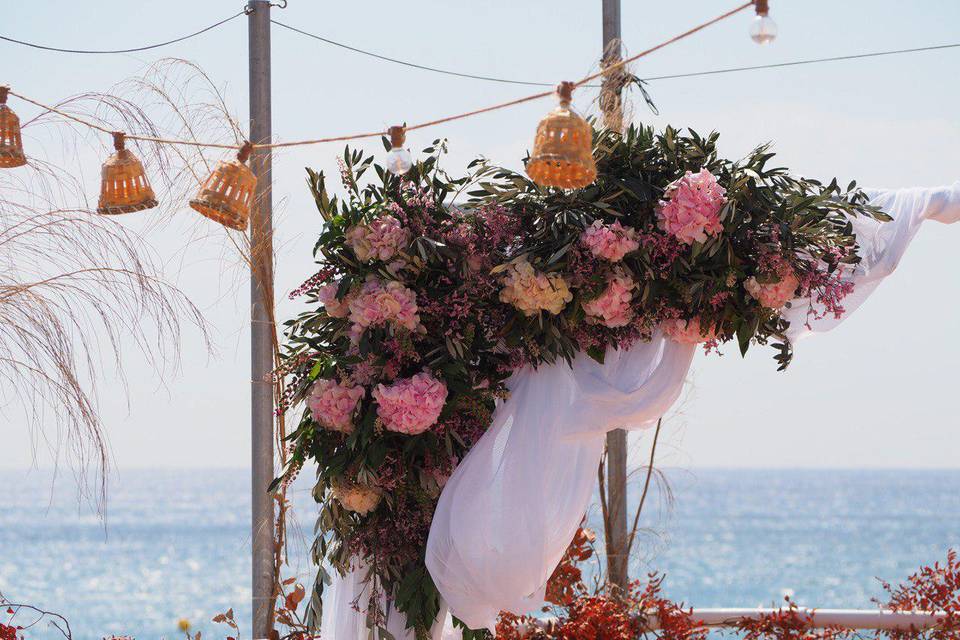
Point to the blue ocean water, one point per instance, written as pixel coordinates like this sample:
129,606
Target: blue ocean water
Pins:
176,543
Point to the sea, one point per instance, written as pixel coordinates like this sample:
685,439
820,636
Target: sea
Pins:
174,545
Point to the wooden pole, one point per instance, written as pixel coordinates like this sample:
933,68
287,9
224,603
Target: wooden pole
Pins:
261,323
611,106
611,99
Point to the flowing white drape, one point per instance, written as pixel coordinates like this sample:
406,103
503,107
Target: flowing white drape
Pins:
511,508
882,244
345,610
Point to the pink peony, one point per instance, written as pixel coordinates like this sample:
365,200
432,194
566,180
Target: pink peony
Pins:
774,295
332,404
688,331
692,209
382,239
411,405
327,294
612,307
378,303
610,242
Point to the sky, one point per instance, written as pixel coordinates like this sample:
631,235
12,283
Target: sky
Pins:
879,391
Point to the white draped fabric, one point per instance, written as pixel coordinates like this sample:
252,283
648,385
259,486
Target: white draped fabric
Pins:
345,614
882,244
510,509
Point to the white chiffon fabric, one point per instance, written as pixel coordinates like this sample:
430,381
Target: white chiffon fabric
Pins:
345,614
510,509
882,244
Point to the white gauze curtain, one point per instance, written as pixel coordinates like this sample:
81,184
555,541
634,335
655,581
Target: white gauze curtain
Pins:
511,508
509,511
882,244
345,610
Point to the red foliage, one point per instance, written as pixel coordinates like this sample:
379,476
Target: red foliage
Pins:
789,623
566,583
935,588
675,622
598,618
8,632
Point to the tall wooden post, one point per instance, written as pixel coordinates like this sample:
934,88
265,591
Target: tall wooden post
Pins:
261,322
612,108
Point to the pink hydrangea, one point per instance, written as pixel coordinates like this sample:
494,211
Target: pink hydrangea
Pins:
332,404
411,405
610,242
327,295
612,307
532,291
688,331
381,302
774,295
382,239
691,212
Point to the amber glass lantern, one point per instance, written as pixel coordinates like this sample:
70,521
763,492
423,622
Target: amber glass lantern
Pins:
226,195
124,187
563,148
11,144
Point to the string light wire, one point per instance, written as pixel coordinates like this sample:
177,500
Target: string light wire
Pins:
503,105
582,82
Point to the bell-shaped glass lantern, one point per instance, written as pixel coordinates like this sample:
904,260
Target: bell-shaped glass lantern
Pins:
124,187
227,193
563,147
11,143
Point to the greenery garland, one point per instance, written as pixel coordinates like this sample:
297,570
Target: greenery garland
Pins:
431,290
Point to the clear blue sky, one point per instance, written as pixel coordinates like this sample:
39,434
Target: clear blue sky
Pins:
877,392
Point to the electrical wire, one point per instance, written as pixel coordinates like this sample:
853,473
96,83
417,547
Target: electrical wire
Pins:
796,63
532,83
414,65
133,50
607,69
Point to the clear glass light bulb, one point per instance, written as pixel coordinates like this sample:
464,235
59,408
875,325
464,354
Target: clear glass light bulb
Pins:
399,161
763,30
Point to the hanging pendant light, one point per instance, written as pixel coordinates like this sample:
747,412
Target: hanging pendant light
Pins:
399,161
124,187
226,195
763,30
563,148
11,143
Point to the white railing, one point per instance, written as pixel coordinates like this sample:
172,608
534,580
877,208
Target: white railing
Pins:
849,618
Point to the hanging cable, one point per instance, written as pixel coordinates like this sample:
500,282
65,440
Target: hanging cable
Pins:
409,64
421,125
133,50
796,63
533,83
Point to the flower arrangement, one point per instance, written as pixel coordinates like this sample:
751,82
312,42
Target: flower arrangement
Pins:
431,290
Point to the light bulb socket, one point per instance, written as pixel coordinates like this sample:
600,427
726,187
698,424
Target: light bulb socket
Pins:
118,138
565,93
398,135
762,7
243,154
